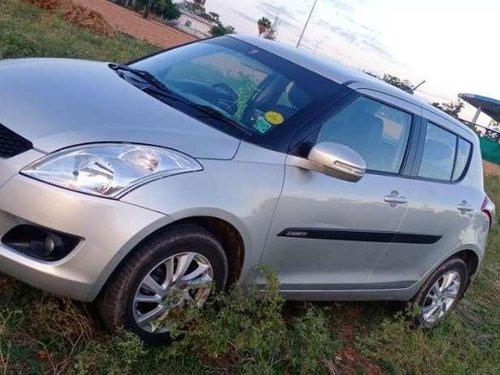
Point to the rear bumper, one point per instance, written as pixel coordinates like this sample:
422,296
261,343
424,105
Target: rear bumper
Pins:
109,230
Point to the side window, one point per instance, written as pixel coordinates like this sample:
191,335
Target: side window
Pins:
463,153
379,133
439,153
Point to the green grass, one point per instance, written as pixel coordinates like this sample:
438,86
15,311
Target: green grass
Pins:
40,333
27,31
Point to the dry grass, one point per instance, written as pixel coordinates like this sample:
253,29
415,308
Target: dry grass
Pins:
63,328
4,352
88,18
77,14
63,318
5,283
47,4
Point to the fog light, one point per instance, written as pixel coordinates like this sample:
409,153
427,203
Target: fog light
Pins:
49,245
45,248
39,242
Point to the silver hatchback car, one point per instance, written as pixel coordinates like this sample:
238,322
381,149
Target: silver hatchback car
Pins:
149,186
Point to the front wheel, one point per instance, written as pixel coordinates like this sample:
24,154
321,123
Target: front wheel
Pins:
180,267
441,292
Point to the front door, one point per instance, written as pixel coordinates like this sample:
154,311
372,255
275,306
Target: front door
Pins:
328,234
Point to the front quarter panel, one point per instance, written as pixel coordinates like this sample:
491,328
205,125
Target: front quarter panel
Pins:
243,191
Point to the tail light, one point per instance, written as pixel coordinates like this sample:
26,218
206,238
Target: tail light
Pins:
488,208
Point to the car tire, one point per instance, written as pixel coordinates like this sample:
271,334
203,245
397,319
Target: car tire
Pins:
440,293
118,304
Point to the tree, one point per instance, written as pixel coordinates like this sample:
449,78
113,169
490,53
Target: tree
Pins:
162,8
147,9
404,85
264,25
168,10
214,17
198,8
395,81
451,108
126,3
219,29
272,34
371,74
195,8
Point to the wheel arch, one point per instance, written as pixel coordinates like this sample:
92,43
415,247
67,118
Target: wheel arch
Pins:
226,233
471,259
229,237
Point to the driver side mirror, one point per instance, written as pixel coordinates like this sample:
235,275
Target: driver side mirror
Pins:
334,159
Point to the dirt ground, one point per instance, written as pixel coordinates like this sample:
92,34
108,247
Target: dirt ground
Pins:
490,168
133,24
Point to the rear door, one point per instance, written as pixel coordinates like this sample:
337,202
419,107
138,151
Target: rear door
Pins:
328,234
442,205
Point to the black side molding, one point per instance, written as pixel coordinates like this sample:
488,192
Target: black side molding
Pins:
356,235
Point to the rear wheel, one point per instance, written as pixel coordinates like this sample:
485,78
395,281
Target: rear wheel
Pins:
441,292
180,267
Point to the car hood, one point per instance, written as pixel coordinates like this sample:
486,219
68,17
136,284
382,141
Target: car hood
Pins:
56,103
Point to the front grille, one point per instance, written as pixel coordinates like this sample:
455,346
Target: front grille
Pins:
12,144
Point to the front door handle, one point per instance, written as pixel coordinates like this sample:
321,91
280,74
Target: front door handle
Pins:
463,207
394,198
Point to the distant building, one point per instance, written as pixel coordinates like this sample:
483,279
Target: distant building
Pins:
193,24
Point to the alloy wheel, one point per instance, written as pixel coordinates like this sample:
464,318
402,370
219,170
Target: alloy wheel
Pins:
441,297
180,280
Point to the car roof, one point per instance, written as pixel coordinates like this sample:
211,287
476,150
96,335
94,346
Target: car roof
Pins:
341,74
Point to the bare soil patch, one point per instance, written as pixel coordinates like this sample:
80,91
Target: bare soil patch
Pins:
491,168
105,18
132,23
349,360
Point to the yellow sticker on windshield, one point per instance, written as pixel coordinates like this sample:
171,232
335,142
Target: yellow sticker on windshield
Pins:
274,118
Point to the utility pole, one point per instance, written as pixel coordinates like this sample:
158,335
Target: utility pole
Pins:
307,23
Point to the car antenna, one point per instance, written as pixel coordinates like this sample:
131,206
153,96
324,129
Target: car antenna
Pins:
417,86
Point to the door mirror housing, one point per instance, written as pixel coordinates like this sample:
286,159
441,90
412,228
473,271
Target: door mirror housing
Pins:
334,159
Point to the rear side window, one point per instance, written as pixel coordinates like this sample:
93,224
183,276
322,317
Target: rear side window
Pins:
463,154
445,155
439,154
378,132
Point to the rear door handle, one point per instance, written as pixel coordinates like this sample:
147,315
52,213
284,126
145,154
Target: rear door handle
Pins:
463,207
395,198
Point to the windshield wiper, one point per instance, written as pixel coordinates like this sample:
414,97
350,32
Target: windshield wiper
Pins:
148,77
159,89
153,85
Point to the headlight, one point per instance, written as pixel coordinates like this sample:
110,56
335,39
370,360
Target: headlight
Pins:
109,170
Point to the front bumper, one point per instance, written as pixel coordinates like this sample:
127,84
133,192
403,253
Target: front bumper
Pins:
109,230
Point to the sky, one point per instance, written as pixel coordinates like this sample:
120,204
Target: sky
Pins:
452,44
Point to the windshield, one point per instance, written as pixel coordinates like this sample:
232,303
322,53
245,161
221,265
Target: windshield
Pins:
256,90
